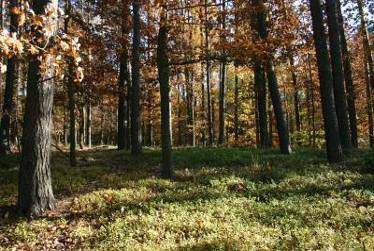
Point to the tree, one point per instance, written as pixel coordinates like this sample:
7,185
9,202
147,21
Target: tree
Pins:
136,147
163,78
334,151
337,73
349,85
369,71
272,82
123,86
35,193
9,85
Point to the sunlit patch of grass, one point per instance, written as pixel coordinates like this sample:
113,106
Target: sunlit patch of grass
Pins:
220,199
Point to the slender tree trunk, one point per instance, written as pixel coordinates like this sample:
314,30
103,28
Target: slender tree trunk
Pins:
88,125
163,77
295,95
349,85
8,105
260,85
81,127
369,71
278,110
236,108
136,147
273,84
222,84
72,120
334,150
35,193
190,108
208,87
337,73
71,97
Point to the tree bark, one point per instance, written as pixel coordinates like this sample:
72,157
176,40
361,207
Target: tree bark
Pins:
295,95
123,85
349,85
334,150
236,108
10,80
35,193
337,73
163,77
208,88
260,86
369,71
88,128
136,147
222,84
284,141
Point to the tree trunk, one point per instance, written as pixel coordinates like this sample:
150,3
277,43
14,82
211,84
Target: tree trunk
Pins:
163,77
295,96
278,110
190,108
136,147
222,84
88,125
208,88
71,98
35,193
273,84
369,71
260,85
337,73
123,85
349,85
72,122
236,108
122,104
334,150
81,127
8,105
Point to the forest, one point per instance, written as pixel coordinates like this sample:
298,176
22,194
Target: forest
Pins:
186,125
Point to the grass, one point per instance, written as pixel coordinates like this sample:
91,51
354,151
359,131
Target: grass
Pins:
221,199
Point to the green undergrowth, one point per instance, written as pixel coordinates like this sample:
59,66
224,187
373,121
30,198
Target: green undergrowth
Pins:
220,199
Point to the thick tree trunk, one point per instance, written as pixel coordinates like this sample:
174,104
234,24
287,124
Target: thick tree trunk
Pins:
163,77
122,104
8,105
349,85
334,150
35,193
123,85
337,73
136,147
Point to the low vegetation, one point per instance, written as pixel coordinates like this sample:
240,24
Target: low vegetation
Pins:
221,199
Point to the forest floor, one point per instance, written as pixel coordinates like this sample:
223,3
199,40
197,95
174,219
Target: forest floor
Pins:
223,198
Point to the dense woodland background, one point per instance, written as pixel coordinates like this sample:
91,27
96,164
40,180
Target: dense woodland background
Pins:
197,74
